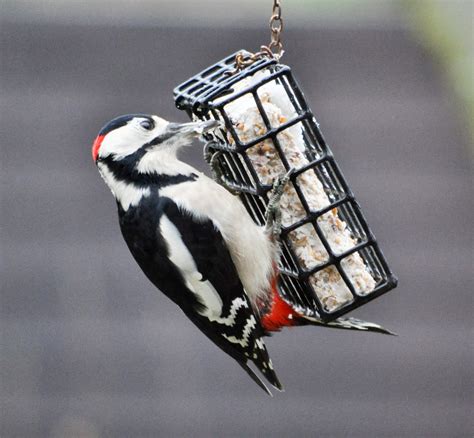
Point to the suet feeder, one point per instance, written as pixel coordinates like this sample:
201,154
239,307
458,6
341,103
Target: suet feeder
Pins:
331,262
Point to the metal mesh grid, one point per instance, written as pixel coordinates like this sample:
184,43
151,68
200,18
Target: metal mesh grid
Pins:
207,95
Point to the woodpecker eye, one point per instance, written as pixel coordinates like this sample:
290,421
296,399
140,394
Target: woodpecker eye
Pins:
147,124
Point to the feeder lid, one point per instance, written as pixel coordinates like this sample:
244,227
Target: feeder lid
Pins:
215,81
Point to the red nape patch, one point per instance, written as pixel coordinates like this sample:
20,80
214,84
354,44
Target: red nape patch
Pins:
281,314
96,146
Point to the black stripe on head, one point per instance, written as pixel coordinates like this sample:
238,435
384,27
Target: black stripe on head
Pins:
125,170
122,121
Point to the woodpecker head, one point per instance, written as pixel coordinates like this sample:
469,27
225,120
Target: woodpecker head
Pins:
135,135
137,151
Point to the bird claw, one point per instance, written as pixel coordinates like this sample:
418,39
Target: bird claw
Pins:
273,212
212,158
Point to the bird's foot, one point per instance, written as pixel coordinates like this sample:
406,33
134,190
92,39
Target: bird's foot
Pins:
212,158
208,152
273,212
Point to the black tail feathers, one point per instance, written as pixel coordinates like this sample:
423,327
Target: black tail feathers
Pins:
269,374
259,356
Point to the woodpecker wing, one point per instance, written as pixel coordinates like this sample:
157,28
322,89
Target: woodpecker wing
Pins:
222,309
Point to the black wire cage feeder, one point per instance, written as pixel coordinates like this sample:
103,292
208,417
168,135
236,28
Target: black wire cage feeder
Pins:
331,262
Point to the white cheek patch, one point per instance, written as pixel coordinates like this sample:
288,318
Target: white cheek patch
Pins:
122,142
163,161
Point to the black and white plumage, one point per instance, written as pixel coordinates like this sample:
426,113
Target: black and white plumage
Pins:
196,242
185,232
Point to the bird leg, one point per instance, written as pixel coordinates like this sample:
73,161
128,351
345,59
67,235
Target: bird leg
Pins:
273,212
208,153
212,158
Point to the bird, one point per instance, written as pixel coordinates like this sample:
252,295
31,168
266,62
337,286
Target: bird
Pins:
196,242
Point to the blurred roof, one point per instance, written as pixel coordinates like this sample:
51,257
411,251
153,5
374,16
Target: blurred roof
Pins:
245,13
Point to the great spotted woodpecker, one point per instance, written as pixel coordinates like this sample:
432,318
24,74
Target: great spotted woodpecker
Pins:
195,241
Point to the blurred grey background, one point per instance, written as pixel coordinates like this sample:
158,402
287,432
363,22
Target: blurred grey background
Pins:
90,349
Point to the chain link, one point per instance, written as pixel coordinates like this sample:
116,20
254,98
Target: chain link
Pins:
273,50
276,28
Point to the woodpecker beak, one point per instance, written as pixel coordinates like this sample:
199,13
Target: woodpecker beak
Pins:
192,129
177,135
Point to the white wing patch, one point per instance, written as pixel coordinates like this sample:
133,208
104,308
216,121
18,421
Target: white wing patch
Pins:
178,252
180,256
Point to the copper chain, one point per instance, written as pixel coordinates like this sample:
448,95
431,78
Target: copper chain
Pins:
243,60
276,27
